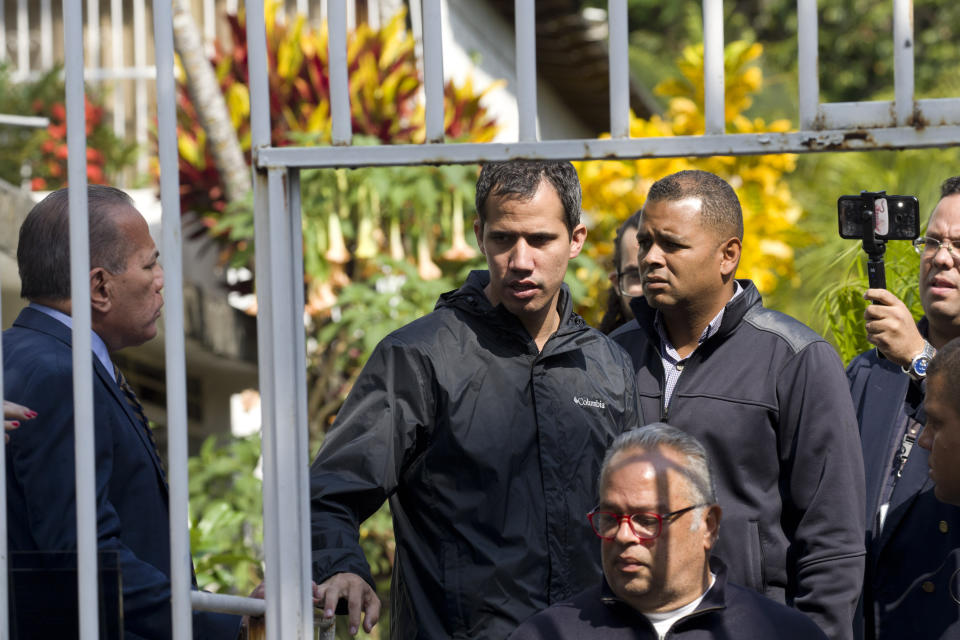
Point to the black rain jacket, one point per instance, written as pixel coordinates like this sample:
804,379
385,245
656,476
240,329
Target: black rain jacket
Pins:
768,399
488,451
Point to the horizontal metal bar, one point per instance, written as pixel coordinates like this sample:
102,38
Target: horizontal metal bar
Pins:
24,121
746,144
204,601
938,112
868,115
857,115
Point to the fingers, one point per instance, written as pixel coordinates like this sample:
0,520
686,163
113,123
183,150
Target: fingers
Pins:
13,413
361,600
881,296
371,610
890,327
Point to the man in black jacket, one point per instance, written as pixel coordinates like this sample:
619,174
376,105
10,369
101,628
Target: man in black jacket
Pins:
913,539
765,395
658,520
484,424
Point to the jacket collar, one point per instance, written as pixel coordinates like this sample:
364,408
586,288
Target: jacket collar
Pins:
472,299
733,314
714,600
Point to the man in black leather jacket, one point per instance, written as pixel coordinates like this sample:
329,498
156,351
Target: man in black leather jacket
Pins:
763,393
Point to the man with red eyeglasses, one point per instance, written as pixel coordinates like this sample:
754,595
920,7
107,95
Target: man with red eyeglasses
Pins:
658,520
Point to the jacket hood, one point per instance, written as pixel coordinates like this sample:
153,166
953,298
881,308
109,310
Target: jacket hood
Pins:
472,299
734,311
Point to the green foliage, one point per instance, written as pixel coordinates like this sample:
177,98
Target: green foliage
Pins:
840,303
44,151
856,40
829,294
226,523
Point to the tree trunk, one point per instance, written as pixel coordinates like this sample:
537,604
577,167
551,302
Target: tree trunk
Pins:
211,107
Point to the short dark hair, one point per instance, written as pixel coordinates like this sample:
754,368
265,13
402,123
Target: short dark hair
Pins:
658,434
949,187
945,366
43,252
721,207
520,179
613,316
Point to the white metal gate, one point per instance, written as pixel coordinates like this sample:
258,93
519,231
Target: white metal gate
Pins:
899,124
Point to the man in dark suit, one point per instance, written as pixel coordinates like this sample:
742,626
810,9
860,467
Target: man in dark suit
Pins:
131,490
913,539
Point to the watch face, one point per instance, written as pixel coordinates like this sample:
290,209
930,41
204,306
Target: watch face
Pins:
920,366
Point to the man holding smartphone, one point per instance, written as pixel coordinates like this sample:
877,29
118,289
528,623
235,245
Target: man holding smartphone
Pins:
913,540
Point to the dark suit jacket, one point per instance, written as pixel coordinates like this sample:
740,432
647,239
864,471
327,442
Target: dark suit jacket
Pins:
912,564
131,495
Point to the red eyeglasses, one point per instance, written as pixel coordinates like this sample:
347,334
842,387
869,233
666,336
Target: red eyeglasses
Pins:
645,525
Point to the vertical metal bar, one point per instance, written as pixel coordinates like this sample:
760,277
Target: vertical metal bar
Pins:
807,64
3,30
23,37
416,25
282,484
433,69
526,52
93,32
116,55
4,583
713,89
80,310
171,250
46,35
140,87
284,597
303,7
301,463
259,86
619,69
339,87
266,366
903,47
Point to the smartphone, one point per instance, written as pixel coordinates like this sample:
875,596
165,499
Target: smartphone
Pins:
894,217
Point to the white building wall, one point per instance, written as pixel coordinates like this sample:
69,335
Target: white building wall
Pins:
477,41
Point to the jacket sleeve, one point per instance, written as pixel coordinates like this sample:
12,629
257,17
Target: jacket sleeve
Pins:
382,426
633,411
822,484
42,461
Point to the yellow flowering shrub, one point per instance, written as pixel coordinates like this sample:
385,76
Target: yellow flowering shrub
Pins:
614,189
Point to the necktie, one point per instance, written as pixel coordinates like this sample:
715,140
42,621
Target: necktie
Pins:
138,410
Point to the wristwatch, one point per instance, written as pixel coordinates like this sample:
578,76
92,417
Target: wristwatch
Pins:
918,366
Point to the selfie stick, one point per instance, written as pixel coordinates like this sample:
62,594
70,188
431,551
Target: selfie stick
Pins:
875,247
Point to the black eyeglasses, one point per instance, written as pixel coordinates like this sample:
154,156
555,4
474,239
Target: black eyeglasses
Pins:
645,525
629,282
